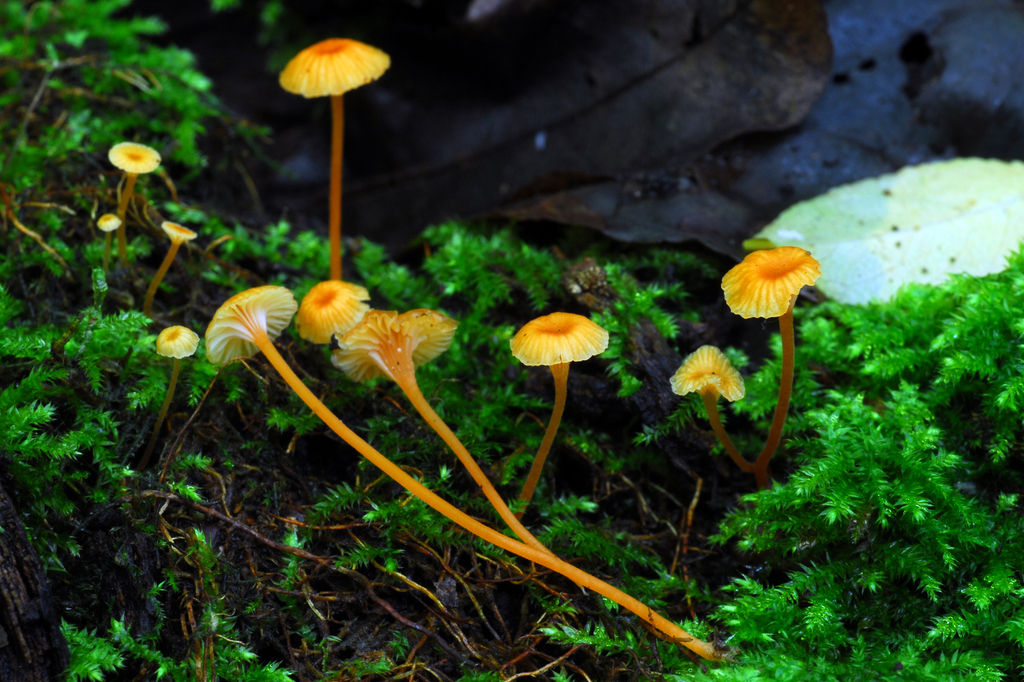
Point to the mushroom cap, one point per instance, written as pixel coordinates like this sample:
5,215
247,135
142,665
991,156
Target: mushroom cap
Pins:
764,284
423,333
331,308
176,233
108,222
432,331
707,369
232,328
177,342
333,67
557,338
132,157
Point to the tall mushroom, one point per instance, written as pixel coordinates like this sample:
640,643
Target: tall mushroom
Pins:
178,236
766,285
555,340
387,344
331,308
107,223
247,322
174,342
133,159
707,371
333,67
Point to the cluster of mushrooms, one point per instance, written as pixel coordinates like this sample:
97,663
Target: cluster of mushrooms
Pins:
764,285
371,343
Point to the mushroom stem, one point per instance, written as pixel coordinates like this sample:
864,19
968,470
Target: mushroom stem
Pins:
106,251
163,413
407,382
711,405
666,627
782,407
147,306
561,374
122,208
337,151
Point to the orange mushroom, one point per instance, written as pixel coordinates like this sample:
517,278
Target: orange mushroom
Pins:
766,285
331,308
107,223
333,67
555,340
249,320
707,371
178,236
174,342
133,159
392,345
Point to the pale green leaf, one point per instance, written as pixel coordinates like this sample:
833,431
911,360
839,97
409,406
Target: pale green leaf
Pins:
920,224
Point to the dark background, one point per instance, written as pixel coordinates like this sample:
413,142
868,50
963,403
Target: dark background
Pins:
649,120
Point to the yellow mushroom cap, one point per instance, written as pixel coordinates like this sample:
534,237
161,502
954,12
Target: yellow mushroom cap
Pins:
707,369
177,342
333,67
108,222
431,330
384,335
764,284
558,338
331,308
176,233
233,326
132,157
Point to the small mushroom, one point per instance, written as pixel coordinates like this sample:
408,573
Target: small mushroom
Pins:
707,371
333,67
178,236
766,285
174,342
133,159
387,344
330,308
555,340
249,320
108,223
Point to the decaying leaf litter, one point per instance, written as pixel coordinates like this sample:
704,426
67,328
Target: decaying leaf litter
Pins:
194,563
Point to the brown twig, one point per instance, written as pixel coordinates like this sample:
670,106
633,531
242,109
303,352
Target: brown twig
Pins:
683,545
549,666
38,239
181,434
302,524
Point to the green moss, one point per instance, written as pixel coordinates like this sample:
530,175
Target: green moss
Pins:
899,521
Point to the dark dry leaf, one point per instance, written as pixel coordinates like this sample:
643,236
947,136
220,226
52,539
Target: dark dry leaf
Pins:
906,88
583,88
979,116
625,211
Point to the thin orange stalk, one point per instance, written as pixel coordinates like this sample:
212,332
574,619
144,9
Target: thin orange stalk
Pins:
711,404
561,374
122,208
407,382
782,407
669,629
163,413
334,213
147,306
